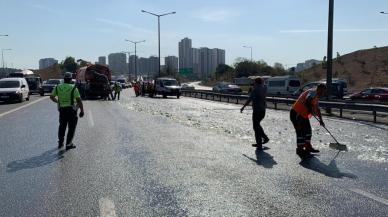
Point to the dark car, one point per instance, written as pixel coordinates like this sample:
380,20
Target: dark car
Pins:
225,87
34,83
48,86
337,92
371,94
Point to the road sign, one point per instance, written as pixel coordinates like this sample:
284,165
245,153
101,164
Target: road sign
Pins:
186,71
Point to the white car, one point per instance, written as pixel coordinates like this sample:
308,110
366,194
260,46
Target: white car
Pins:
14,89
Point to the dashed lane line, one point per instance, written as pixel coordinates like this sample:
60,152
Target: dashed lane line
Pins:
369,195
90,118
21,107
107,208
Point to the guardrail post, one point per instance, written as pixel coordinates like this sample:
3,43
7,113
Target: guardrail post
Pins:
374,116
341,112
237,100
228,99
213,97
276,105
220,98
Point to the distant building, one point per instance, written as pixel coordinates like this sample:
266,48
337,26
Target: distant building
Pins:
202,62
118,63
171,63
102,60
185,54
47,62
306,65
131,64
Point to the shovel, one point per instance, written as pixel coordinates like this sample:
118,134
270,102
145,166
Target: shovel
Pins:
334,145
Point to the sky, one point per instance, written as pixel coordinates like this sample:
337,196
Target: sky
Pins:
285,31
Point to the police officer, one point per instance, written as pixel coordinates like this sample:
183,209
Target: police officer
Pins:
64,95
117,89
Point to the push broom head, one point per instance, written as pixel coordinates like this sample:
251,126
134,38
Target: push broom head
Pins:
338,146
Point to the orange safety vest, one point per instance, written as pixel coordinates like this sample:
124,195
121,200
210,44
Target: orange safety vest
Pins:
300,105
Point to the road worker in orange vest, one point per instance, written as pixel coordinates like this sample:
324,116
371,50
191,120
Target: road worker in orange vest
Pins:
302,110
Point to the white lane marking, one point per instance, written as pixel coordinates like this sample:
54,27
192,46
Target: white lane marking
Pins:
23,106
369,195
107,207
90,118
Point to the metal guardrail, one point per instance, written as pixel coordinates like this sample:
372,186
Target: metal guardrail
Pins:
238,99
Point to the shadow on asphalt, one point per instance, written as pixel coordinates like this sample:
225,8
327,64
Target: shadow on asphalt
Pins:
46,158
263,158
330,170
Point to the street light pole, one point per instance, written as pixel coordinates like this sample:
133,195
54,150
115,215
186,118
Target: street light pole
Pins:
250,47
135,43
158,15
2,56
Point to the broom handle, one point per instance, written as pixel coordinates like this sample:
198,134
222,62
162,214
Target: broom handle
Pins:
327,130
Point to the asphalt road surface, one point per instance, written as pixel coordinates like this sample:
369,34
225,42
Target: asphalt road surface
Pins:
184,157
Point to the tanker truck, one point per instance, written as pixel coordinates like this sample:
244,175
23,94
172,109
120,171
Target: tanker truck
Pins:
93,81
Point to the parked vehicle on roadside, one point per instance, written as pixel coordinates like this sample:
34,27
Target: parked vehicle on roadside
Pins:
167,87
48,86
342,85
34,84
14,89
122,82
337,90
282,85
371,94
188,87
226,87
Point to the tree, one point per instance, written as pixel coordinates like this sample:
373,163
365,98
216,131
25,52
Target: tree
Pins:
69,65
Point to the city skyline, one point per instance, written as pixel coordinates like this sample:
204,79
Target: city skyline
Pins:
289,32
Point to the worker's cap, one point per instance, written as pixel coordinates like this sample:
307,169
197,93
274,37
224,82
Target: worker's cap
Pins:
68,75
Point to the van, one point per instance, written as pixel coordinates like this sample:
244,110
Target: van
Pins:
167,87
14,89
34,84
282,85
337,91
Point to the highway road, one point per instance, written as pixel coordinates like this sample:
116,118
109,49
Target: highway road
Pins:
184,157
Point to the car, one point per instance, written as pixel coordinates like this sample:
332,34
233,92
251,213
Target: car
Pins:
371,94
167,87
14,89
282,85
34,84
122,82
48,86
336,89
226,87
188,87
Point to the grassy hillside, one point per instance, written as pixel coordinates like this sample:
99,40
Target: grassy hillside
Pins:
363,68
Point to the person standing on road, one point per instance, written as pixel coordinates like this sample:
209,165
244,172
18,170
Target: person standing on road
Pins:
257,97
302,110
117,89
64,95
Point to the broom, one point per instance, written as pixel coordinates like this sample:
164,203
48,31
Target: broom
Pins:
337,146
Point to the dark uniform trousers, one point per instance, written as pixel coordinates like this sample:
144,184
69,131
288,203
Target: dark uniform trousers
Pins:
257,117
302,127
67,118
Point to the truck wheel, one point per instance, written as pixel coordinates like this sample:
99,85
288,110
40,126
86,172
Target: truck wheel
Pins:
164,96
41,94
177,96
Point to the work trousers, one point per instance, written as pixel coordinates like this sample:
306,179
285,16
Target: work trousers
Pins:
67,119
302,127
117,94
257,117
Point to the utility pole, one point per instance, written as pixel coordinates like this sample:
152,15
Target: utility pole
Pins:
329,73
250,47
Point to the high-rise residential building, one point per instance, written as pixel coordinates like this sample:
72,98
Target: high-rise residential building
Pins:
154,65
205,62
118,63
102,60
196,61
171,63
47,62
185,54
131,64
